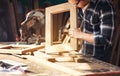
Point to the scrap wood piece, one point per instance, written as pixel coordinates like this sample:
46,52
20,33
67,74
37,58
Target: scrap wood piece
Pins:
11,51
24,48
64,53
53,58
15,46
69,71
59,48
32,49
64,59
5,46
42,55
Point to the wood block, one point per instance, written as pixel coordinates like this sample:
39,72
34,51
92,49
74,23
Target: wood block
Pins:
64,53
64,59
80,60
44,56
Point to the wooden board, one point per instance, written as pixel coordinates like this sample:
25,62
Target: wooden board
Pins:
55,66
85,67
58,48
20,49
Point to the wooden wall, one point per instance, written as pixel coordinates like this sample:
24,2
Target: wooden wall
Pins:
115,58
12,13
7,19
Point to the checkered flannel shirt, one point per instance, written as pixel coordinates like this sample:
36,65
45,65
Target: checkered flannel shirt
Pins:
98,19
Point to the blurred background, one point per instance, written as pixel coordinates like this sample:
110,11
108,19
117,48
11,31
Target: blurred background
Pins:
12,13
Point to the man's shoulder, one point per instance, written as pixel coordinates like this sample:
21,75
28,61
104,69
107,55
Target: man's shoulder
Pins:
102,4
101,1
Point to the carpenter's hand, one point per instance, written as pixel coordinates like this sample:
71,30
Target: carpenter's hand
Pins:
75,33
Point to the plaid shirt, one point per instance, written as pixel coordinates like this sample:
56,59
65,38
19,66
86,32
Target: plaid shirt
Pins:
98,19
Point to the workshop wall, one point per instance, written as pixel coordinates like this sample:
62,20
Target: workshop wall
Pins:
7,21
115,58
12,13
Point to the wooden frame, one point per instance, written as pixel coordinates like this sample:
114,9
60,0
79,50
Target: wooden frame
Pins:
50,11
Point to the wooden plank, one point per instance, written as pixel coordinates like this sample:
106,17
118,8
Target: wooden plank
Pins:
11,51
64,59
42,55
73,24
58,8
65,7
26,46
58,48
53,58
16,46
32,49
66,70
20,49
49,28
5,46
66,39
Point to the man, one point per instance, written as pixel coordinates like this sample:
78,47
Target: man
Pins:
98,20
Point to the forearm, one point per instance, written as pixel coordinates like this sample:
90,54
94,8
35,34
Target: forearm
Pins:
87,37
76,33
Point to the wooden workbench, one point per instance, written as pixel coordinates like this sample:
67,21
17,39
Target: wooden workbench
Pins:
34,69
85,68
39,64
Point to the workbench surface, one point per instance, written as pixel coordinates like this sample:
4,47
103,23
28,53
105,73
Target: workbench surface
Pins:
85,67
34,69
39,65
